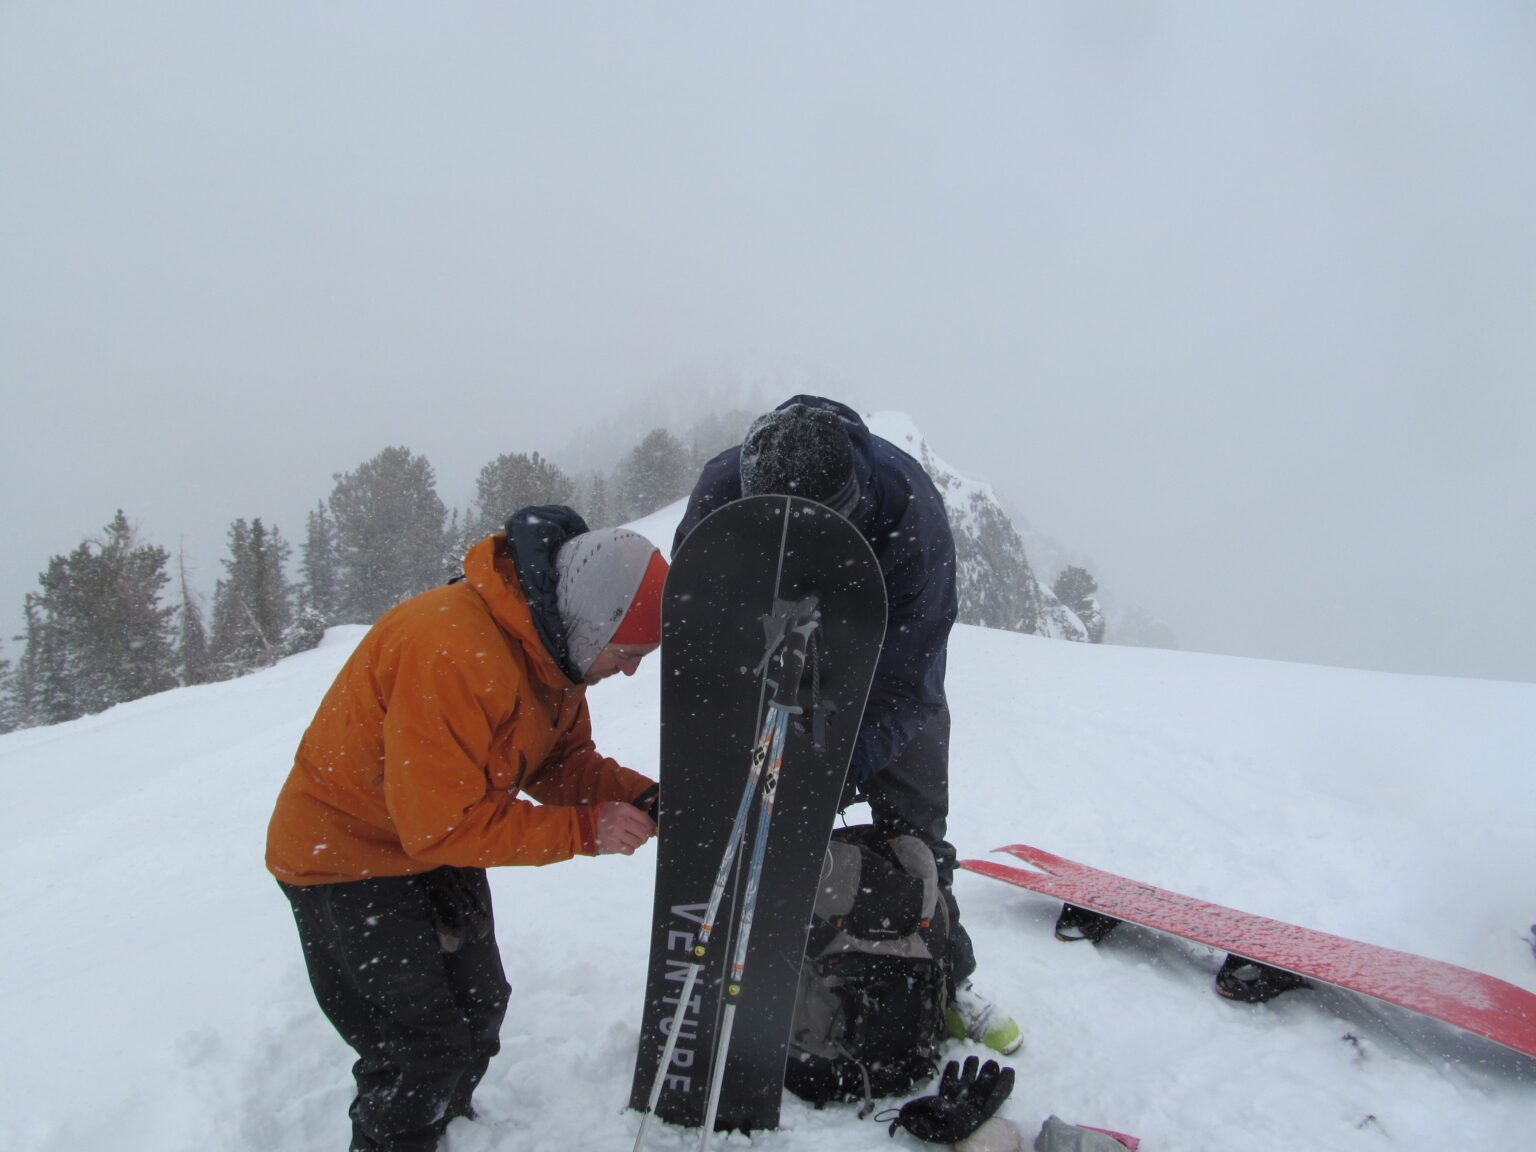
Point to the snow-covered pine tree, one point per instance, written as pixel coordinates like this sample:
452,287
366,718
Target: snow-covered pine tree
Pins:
391,534
10,714
1078,590
656,472
97,634
252,605
195,660
596,511
511,481
40,689
318,568
458,535
714,432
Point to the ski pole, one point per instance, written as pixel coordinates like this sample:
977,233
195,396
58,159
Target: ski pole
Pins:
783,704
744,927
760,754
787,628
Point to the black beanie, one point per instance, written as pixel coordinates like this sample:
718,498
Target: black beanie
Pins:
800,451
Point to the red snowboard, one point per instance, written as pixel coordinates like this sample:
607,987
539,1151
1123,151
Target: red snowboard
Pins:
1481,1004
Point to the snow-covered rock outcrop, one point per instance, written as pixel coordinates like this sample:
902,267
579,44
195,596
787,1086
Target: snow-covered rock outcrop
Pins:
997,587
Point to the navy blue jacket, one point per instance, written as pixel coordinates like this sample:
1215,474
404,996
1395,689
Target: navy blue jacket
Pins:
902,516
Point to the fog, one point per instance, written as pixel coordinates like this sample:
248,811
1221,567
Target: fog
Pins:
1235,303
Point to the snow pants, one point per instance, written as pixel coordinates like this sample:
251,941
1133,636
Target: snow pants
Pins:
423,1022
912,796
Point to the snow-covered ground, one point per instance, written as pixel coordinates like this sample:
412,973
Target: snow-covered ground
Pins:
153,998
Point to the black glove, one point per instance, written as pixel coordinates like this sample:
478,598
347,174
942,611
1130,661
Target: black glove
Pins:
963,1103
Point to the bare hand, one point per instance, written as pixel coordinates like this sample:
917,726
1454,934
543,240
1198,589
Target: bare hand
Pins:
622,828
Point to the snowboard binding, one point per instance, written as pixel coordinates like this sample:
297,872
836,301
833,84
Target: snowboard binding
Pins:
1250,982
1076,923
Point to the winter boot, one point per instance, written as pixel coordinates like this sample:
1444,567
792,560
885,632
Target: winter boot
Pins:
971,1015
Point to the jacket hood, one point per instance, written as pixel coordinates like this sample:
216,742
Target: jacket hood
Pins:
845,413
527,548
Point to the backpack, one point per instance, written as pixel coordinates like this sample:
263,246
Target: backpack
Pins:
869,1012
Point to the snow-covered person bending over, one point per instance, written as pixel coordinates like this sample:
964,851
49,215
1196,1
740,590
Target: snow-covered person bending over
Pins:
819,449
406,788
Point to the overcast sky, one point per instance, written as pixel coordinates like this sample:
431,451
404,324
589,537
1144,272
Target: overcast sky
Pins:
1237,302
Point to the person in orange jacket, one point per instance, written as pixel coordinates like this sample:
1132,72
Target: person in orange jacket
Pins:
408,784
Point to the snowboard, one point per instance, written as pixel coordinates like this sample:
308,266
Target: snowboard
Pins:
743,577
1470,1000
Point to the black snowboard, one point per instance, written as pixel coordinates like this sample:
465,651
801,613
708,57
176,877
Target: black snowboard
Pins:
735,568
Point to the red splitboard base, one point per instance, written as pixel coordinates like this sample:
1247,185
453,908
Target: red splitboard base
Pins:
1481,1004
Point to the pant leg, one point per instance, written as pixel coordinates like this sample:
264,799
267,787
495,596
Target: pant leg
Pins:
379,974
912,796
481,991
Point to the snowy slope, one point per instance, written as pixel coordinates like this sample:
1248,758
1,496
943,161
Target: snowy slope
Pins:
154,999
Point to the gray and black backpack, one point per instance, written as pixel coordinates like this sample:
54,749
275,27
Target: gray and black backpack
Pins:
869,1015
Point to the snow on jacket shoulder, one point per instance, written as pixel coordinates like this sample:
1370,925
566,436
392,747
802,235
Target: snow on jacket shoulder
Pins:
449,709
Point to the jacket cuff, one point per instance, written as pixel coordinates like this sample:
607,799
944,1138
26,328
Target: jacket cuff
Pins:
586,828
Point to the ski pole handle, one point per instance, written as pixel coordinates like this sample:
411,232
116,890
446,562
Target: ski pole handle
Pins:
786,689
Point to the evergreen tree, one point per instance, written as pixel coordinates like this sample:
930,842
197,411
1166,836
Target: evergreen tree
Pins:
128,648
320,585
97,634
272,601
457,539
196,660
1075,588
252,605
10,717
714,432
306,632
391,534
40,686
512,481
655,473
596,513
226,649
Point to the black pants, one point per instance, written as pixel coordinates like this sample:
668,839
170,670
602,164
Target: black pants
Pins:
423,1022
912,796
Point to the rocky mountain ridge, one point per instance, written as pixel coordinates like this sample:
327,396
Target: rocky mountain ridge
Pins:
997,586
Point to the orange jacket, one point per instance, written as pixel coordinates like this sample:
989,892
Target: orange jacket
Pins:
449,708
